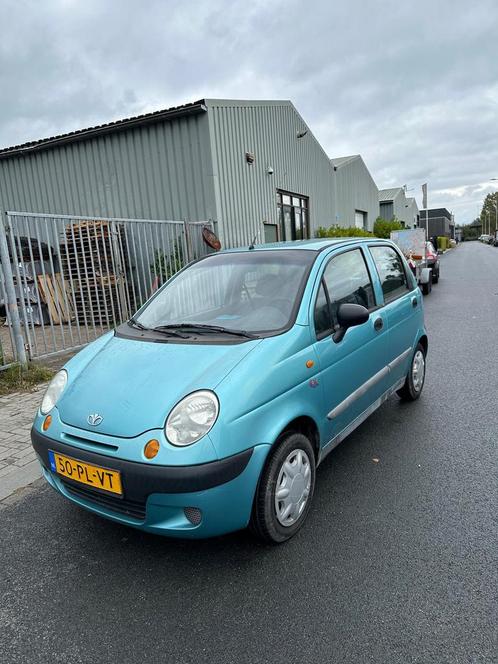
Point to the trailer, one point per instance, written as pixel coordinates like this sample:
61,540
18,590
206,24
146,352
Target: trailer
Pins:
412,244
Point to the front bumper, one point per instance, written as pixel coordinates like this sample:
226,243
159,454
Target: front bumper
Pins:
155,496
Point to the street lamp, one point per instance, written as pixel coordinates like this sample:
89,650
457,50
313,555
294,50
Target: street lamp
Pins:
496,206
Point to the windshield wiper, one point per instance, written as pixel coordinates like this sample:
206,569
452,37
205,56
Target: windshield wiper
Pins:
161,329
135,323
209,328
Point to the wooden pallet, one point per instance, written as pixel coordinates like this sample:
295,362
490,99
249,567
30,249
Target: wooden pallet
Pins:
55,293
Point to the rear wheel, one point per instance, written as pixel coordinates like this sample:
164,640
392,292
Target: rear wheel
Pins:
285,490
435,276
426,288
414,383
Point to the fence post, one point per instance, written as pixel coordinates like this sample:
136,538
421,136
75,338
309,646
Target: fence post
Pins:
10,296
188,243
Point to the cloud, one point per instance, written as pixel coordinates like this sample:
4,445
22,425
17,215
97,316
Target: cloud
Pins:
412,87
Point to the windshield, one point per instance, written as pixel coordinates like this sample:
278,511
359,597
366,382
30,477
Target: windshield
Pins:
252,291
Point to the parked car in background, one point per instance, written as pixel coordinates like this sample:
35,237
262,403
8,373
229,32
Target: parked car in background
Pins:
495,239
212,407
433,262
491,239
413,245
484,237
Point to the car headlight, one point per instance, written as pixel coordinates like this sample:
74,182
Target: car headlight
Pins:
54,390
192,418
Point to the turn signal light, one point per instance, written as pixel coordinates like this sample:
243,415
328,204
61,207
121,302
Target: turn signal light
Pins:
151,449
47,422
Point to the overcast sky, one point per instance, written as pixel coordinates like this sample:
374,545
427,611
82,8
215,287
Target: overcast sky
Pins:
411,86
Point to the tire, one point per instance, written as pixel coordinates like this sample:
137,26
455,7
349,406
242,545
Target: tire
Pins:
267,520
435,277
426,288
415,379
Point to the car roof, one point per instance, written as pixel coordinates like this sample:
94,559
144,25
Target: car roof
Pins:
317,244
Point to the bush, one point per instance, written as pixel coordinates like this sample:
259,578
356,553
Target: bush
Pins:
351,231
166,265
383,228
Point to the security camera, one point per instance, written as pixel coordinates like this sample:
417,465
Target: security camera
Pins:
269,170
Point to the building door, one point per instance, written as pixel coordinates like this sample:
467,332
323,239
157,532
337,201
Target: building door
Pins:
293,216
360,219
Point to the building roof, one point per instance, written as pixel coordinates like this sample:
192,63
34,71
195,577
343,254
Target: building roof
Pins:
386,195
340,161
165,114
437,212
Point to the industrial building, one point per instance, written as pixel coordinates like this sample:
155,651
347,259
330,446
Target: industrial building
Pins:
97,219
252,167
394,204
438,221
355,193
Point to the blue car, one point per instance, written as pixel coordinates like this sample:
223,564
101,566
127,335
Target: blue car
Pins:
212,407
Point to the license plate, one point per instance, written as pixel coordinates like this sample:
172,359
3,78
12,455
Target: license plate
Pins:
86,473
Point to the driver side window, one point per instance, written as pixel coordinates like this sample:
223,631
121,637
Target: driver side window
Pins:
345,280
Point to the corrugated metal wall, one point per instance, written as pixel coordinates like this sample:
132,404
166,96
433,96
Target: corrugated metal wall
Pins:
355,189
386,210
191,167
411,212
155,171
246,193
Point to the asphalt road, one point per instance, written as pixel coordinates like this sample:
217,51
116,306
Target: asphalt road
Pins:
397,562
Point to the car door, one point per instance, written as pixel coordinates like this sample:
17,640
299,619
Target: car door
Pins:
351,370
402,305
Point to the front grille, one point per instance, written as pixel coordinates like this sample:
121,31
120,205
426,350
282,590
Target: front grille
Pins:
131,508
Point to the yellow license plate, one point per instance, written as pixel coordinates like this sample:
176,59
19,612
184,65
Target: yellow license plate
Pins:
86,473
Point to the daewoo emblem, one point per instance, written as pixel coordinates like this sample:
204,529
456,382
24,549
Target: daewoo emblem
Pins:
94,419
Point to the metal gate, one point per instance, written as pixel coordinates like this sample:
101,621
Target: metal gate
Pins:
76,277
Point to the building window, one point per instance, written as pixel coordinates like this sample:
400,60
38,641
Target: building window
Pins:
293,216
360,219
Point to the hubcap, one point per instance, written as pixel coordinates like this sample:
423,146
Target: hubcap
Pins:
293,487
418,371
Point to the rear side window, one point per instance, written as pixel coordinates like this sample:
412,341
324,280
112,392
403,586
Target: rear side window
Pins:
347,280
391,272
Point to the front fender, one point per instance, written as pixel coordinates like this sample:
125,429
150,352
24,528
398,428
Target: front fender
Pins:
269,389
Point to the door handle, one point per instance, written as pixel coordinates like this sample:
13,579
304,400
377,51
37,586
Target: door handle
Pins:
379,324
414,303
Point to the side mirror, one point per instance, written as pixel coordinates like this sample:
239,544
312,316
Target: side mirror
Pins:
349,315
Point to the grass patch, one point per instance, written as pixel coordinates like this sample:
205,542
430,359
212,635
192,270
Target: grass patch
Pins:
19,379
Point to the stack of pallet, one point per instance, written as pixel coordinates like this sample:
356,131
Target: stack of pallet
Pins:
94,263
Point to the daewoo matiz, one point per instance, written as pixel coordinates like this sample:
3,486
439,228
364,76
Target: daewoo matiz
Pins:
212,407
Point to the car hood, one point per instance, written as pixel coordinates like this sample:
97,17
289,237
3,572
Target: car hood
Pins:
134,384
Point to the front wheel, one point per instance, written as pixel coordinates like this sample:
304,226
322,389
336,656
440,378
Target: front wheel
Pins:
285,490
415,378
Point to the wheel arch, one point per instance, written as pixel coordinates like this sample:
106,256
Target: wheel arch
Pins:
425,343
307,426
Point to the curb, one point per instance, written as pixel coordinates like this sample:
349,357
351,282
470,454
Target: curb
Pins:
20,479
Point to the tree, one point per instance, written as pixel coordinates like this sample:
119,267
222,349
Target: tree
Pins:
383,228
472,231
489,214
